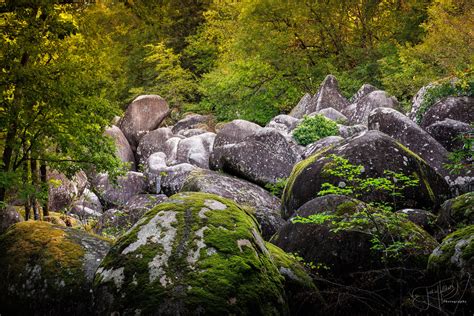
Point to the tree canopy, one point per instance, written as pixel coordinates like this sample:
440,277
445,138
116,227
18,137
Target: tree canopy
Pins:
68,67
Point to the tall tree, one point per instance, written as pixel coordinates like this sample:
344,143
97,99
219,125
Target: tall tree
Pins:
51,109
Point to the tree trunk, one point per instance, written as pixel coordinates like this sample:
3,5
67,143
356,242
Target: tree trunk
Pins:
7,157
34,181
44,184
26,170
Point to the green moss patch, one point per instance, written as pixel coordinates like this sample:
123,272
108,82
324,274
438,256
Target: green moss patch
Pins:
196,251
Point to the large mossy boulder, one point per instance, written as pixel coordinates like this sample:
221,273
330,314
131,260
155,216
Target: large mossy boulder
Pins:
195,254
454,257
48,269
350,237
377,153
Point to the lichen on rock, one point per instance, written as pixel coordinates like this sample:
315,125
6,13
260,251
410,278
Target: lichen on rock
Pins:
186,256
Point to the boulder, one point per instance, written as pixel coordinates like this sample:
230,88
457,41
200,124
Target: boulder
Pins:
144,114
171,149
284,123
455,108
194,121
115,222
347,252
153,142
352,130
8,217
63,191
191,132
321,144
447,132
131,184
303,296
261,158
231,133
377,153
333,115
83,213
358,113
362,92
211,261
305,106
48,269
89,199
418,100
407,132
196,150
422,218
163,178
264,205
454,257
124,151
144,202
456,213
329,96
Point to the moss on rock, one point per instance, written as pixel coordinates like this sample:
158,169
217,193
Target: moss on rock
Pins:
455,255
457,213
47,269
196,253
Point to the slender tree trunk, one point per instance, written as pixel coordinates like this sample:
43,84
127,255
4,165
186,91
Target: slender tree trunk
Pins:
7,157
26,170
44,184
34,181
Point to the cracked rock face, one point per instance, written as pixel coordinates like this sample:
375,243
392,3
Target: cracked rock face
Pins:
194,254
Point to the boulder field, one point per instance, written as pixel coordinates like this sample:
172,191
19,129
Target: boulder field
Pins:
234,218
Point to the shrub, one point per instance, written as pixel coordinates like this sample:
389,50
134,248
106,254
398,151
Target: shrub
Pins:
313,128
277,188
388,230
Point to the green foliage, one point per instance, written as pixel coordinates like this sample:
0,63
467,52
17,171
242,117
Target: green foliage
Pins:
313,128
277,188
445,50
53,108
463,158
389,235
169,79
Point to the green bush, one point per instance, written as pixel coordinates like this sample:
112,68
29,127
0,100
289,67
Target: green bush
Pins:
277,188
314,128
